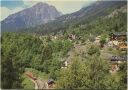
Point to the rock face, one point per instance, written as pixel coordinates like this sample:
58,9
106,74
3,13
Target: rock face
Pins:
38,14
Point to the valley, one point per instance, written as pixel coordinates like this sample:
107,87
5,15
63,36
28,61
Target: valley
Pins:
86,49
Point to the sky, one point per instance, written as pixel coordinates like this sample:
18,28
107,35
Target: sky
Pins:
9,7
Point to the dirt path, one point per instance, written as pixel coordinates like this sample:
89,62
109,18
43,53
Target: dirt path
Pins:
39,84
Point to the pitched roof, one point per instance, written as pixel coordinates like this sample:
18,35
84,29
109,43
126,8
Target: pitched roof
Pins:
119,33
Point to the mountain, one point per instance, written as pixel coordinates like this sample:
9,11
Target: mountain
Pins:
36,15
85,15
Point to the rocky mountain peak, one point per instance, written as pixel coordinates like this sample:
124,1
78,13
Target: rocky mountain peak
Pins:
40,5
38,14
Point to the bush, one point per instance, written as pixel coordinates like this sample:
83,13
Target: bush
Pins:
93,49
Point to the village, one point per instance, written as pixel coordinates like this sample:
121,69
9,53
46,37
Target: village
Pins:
115,41
64,45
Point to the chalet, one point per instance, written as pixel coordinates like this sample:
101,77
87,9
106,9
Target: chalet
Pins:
122,45
118,59
50,83
115,62
72,37
118,36
118,40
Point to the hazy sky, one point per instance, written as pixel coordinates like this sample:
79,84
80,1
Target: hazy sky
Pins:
65,6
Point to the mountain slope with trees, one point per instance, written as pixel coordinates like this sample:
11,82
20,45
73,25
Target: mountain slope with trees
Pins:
85,15
46,54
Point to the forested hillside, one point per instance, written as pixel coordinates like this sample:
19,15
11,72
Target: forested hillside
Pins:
81,17
20,51
69,55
